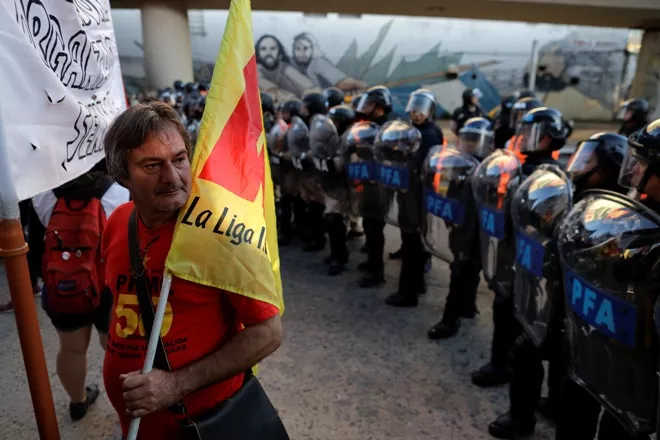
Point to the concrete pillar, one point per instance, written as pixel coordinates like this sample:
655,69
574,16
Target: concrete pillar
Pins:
646,83
166,40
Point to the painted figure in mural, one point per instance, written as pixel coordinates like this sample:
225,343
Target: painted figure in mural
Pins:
634,115
310,60
470,109
276,74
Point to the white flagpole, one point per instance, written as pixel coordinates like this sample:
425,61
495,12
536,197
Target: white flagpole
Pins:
153,342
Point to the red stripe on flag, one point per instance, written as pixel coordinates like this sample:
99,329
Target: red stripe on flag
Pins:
234,162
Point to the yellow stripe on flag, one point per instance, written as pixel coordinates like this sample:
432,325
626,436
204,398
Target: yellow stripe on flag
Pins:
226,234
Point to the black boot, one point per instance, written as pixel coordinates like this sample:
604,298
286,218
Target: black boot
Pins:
506,427
490,376
401,300
444,329
469,313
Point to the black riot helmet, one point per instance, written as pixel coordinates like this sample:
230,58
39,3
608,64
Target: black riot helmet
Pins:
199,107
167,97
190,87
520,108
359,140
397,142
543,129
314,103
421,106
333,97
469,96
601,154
476,138
375,97
343,117
291,108
178,85
355,101
267,103
526,93
634,111
203,87
642,159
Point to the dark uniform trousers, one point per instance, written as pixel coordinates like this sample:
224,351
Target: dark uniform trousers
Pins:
463,284
413,259
578,418
336,229
505,331
375,243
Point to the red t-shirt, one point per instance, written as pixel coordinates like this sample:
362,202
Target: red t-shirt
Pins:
198,320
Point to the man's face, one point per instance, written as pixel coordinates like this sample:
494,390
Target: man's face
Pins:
303,51
475,100
269,53
159,173
418,118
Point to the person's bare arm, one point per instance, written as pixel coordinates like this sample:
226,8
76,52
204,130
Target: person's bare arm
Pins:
146,393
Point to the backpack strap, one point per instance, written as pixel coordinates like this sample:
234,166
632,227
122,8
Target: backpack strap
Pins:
161,361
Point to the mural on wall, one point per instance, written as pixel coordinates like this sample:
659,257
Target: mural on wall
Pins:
580,69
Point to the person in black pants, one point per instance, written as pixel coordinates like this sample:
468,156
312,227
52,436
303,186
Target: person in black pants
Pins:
476,139
375,105
542,131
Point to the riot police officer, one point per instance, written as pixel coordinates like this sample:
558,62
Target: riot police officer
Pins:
268,111
314,103
539,204
342,117
634,114
421,109
376,106
333,97
291,108
504,130
609,252
541,132
469,109
476,139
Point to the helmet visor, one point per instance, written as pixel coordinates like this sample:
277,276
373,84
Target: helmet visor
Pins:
366,105
625,114
420,104
477,143
584,159
530,134
633,170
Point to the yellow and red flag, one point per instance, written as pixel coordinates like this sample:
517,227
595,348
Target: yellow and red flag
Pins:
226,234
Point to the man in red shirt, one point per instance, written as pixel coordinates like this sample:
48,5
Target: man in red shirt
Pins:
211,336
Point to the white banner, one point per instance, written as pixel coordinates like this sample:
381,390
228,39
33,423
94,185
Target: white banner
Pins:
60,87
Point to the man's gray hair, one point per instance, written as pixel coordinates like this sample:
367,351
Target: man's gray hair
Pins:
131,129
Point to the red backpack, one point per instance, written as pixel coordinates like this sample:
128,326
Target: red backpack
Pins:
73,269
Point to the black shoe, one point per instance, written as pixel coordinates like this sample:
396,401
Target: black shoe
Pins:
336,267
372,280
364,266
547,409
490,376
469,313
78,410
401,300
354,234
507,428
314,246
444,329
396,255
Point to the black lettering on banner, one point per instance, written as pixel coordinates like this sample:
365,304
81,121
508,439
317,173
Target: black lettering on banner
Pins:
90,126
79,62
89,11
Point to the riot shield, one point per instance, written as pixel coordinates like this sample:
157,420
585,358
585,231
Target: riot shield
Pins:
447,205
329,163
396,148
357,149
494,183
609,247
537,207
276,144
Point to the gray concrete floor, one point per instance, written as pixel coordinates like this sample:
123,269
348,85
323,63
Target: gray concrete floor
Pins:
350,367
